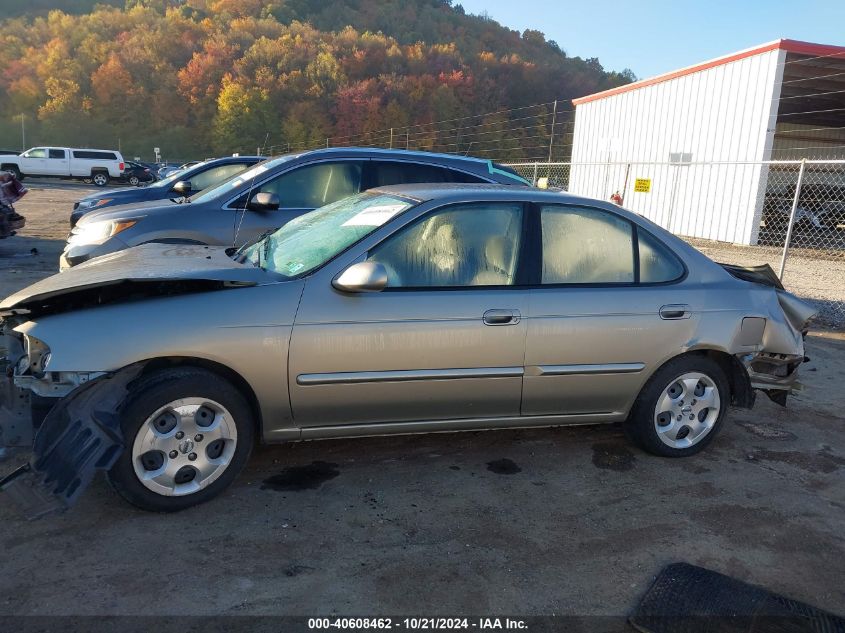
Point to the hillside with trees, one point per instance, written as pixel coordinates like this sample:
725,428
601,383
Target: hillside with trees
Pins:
203,77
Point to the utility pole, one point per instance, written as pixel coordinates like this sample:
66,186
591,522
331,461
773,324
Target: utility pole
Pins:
552,136
23,134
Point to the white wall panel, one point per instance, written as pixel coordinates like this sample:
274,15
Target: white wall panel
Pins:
722,113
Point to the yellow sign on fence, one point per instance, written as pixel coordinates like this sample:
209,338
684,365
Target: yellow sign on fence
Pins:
642,185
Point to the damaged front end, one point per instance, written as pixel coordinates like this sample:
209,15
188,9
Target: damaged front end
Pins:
78,436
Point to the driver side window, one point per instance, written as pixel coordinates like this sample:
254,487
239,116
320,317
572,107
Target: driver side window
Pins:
38,152
465,246
313,186
215,176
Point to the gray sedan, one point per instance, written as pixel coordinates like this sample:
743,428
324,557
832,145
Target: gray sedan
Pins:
405,309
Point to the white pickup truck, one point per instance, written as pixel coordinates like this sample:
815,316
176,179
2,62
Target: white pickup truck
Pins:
97,165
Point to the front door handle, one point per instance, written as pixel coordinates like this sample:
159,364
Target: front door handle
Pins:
501,317
675,311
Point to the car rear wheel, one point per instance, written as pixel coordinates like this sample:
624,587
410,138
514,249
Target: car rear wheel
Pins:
134,181
188,432
101,179
681,407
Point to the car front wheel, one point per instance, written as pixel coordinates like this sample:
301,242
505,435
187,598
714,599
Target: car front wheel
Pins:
134,181
188,432
681,407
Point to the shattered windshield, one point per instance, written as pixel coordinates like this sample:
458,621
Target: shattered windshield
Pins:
309,241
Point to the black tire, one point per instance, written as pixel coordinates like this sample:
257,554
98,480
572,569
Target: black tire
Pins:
157,389
16,172
134,181
640,425
100,178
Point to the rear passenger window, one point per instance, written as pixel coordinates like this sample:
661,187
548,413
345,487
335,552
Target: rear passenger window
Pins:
57,153
585,246
398,173
657,262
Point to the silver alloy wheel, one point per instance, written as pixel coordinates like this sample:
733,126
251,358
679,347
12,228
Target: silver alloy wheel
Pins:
687,410
100,180
133,180
184,446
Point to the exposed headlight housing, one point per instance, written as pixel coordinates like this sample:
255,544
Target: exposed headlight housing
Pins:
37,356
98,232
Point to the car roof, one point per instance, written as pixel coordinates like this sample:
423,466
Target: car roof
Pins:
223,160
376,152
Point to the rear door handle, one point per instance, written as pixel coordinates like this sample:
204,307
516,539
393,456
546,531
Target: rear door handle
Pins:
675,311
501,317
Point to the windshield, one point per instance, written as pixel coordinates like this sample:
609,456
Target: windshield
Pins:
310,240
246,179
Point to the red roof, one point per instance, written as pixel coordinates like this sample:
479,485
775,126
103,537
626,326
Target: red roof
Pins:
790,46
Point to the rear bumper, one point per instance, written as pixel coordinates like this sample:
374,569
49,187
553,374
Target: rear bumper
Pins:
774,374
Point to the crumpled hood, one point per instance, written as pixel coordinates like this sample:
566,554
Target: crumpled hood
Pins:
153,268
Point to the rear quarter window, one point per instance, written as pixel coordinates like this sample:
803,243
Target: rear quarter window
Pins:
658,264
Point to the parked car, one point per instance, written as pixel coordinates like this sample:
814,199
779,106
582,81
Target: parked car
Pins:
168,170
66,162
404,309
821,204
267,196
136,174
199,177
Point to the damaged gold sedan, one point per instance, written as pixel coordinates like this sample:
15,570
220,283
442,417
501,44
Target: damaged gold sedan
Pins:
407,309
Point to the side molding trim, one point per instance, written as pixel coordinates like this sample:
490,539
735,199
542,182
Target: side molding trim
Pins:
352,377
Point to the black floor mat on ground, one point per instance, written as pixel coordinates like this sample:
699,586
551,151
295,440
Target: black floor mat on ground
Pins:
690,599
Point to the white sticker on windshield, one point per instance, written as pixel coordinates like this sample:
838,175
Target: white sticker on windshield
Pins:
375,216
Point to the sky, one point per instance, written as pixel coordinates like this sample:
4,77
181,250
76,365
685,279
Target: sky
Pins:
656,36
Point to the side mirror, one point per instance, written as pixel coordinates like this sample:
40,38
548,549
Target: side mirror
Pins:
362,277
183,187
264,202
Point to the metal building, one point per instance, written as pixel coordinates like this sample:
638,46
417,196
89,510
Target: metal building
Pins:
693,149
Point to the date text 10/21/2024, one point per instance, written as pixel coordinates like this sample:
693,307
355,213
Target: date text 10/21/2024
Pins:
418,623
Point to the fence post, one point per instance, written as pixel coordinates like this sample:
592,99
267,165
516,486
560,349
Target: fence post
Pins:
534,178
792,213
391,138
552,136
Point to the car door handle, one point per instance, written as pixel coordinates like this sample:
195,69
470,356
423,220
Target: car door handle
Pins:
501,317
675,311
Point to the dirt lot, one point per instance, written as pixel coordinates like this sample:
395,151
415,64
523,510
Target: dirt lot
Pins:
565,521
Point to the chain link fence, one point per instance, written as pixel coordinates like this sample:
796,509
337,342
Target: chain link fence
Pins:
788,214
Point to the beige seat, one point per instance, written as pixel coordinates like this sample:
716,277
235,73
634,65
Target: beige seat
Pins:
498,264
